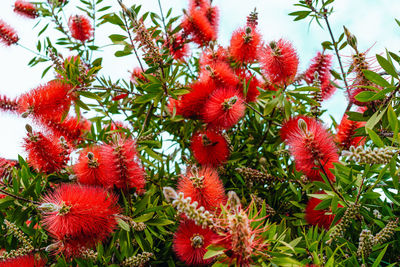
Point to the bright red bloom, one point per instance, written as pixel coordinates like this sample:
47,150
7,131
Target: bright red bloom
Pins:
119,97
123,165
47,100
280,62
192,104
22,261
312,147
178,47
203,186
91,168
46,153
221,74
210,56
80,28
245,44
345,131
252,84
70,128
137,73
199,27
190,243
79,216
8,36
224,108
209,148
5,167
7,104
174,104
327,90
25,9
320,218
321,64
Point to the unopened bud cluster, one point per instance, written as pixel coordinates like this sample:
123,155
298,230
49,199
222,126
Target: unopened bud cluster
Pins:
259,202
386,233
26,243
253,176
184,206
381,155
366,243
317,96
138,260
88,254
341,227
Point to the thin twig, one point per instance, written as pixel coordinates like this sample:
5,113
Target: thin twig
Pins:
18,197
256,111
330,183
163,21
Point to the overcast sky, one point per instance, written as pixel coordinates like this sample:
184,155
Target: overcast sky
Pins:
370,20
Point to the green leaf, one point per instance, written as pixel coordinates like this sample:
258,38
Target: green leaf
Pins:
117,38
375,138
380,257
90,95
365,96
213,251
375,78
124,225
387,66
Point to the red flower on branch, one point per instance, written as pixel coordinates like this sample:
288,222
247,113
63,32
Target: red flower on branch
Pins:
312,147
245,44
190,243
25,9
79,216
23,261
346,131
80,28
8,35
209,148
321,218
203,186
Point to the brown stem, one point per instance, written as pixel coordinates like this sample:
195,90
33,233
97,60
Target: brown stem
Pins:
18,197
331,184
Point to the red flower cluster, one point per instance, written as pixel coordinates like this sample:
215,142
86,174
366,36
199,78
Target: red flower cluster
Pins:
190,243
203,186
123,167
312,147
44,101
245,44
345,133
46,153
209,148
8,35
321,65
321,218
5,167
280,62
80,28
201,22
7,104
79,216
22,261
177,46
25,9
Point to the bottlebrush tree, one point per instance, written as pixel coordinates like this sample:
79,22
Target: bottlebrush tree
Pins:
208,155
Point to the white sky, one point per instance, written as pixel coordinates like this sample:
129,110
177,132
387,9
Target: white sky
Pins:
370,20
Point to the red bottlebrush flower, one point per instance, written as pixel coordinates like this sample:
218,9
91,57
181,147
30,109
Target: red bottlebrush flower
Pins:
178,47
252,84
25,9
174,104
80,28
280,62
190,243
70,128
199,27
320,218
327,90
91,168
137,73
119,97
245,44
7,104
345,131
78,215
46,153
209,148
199,4
22,261
312,147
8,36
221,74
212,14
210,56
191,104
321,64
5,167
224,108
203,186
123,168
47,100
